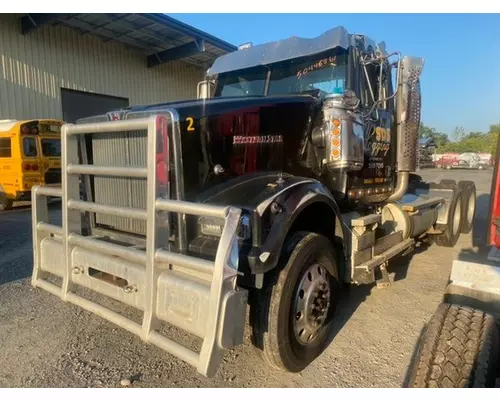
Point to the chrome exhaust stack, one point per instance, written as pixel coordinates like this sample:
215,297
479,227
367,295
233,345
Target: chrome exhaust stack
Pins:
408,110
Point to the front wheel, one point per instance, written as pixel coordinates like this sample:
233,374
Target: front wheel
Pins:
294,316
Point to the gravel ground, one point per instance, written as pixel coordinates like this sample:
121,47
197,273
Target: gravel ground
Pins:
48,343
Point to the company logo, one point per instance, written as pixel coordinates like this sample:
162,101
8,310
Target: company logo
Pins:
258,139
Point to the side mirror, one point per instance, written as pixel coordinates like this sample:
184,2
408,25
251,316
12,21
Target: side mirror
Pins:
203,89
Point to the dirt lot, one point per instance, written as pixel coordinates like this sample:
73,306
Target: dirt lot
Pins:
48,343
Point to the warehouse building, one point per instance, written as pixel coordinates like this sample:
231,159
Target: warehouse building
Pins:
68,66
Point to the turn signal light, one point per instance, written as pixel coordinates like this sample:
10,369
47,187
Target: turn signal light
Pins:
335,153
335,150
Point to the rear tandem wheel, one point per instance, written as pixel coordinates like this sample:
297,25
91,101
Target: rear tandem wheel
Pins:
454,223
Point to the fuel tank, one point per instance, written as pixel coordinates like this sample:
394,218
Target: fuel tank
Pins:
413,215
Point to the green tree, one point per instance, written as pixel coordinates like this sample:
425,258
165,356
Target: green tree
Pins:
479,142
427,132
494,135
476,135
458,133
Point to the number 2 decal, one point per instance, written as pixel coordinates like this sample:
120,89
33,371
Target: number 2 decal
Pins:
190,124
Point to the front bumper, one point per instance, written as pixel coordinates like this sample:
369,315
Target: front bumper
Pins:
196,295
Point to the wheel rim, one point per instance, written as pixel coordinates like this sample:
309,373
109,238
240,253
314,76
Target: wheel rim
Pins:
471,208
311,305
456,217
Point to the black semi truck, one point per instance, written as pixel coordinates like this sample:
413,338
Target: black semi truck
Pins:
289,176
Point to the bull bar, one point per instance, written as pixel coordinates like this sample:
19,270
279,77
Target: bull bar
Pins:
194,294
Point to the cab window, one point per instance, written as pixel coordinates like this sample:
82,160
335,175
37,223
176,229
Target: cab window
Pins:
29,147
324,73
5,148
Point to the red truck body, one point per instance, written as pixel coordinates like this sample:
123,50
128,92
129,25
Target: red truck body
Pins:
494,217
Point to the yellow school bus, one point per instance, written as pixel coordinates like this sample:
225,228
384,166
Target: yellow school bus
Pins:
30,154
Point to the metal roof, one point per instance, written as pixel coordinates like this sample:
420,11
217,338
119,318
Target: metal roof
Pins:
294,47
161,38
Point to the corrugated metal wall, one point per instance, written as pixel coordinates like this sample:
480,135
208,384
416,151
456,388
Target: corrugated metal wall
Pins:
33,68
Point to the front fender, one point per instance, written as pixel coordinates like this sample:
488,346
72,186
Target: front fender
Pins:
281,211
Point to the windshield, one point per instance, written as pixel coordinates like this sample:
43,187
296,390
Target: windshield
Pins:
324,74
51,147
242,83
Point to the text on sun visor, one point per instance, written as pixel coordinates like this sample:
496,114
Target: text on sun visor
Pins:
317,65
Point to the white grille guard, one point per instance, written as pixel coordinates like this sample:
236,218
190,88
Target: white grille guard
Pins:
194,294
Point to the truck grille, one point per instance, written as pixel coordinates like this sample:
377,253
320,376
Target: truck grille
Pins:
123,149
53,176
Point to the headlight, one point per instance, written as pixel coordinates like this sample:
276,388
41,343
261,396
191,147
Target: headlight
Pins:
215,226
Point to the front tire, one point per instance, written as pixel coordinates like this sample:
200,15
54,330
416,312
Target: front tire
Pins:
294,316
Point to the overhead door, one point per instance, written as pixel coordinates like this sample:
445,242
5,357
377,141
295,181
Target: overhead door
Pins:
77,104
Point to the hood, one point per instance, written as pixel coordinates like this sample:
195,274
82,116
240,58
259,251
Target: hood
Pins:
224,138
197,108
